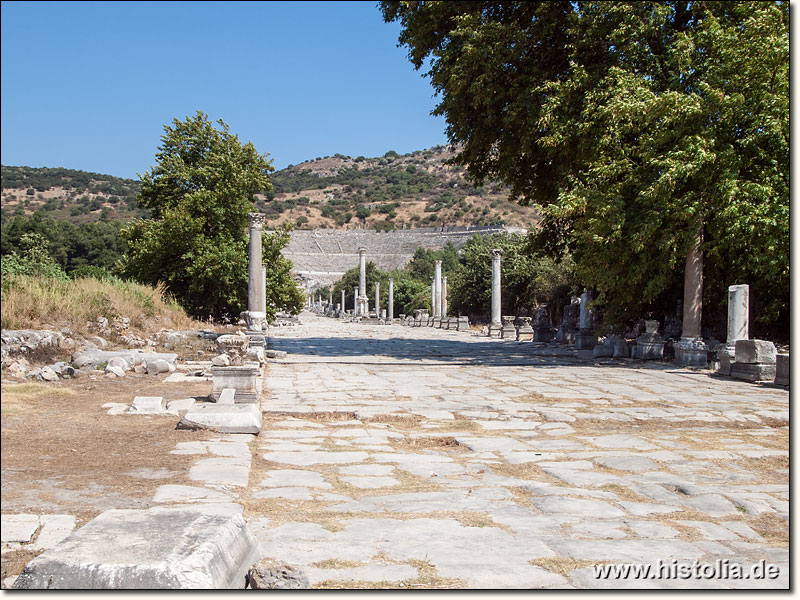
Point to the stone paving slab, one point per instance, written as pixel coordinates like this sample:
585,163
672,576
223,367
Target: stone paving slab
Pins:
552,462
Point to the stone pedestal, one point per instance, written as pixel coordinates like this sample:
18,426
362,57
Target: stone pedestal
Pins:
525,332
755,360
244,379
782,369
649,345
542,327
508,331
691,352
569,322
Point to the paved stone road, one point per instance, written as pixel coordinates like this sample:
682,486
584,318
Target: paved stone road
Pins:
408,457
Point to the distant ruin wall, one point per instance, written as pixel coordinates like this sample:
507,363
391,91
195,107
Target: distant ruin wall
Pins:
322,256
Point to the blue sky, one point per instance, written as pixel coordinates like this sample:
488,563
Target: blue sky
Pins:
90,85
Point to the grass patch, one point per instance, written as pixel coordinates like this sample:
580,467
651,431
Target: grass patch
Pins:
15,398
561,565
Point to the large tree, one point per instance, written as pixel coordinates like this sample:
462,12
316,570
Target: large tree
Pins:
200,192
641,127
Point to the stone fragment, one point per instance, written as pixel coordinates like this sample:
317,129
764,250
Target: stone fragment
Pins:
275,354
269,574
116,371
154,367
118,361
206,548
147,405
755,351
54,529
181,406
48,374
235,418
18,528
221,360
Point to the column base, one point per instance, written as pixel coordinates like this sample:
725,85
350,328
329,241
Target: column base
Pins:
691,352
256,320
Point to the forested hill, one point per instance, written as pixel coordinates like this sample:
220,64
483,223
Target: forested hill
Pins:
388,192
76,196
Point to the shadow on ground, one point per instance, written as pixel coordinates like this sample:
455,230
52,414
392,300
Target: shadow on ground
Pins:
449,351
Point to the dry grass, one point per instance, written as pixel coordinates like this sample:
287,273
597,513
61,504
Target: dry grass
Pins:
16,398
33,302
771,527
561,565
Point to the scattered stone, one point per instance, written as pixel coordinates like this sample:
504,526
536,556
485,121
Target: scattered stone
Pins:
269,574
181,406
275,354
221,360
48,374
154,367
116,371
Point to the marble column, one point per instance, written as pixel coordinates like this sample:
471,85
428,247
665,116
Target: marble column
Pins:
738,313
363,301
330,297
496,325
355,301
390,314
444,297
437,290
433,297
691,351
256,317
585,339
377,299
343,307
264,289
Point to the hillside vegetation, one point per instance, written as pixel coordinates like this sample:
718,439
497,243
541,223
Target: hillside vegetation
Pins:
389,192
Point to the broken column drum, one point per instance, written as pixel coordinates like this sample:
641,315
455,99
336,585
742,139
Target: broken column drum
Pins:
738,325
496,325
256,317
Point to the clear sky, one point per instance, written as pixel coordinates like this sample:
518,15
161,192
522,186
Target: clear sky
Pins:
90,85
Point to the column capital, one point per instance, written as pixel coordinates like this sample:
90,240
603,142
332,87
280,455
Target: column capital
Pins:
496,252
256,219
437,262
391,279
362,250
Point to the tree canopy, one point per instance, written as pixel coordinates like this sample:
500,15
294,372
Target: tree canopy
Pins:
629,122
200,192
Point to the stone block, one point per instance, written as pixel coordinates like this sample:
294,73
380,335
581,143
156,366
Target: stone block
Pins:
223,418
147,405
649,350
269,574
243,379
726,356
782,369
18,528
226,396
201,547
622,350
691,352
753,372
755,351
603,350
